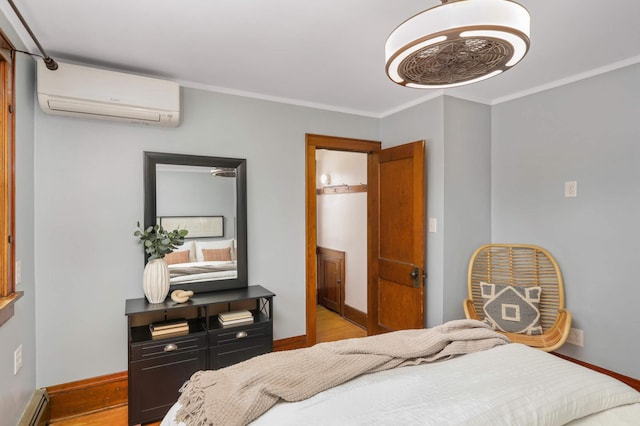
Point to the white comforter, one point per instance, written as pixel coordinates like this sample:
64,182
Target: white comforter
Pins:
203,271
507,385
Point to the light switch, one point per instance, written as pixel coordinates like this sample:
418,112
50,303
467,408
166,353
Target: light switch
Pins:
433,224
571,189
18,272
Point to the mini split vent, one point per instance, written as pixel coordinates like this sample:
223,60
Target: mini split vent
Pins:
79,91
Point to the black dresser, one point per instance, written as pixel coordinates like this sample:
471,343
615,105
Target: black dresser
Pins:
159,365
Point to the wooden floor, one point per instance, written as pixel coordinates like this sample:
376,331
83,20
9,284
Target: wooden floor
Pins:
331,327
112,417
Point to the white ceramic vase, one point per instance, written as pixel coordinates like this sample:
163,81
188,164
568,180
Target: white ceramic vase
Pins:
155,280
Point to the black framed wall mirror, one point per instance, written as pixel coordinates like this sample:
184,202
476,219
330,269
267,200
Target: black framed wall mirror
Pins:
208,197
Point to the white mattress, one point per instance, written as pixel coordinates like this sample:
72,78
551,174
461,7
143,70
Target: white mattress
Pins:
507,385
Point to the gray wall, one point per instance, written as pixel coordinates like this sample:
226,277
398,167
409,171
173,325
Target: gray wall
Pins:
15,390
588,131
458,136
89,196
426,122
466,221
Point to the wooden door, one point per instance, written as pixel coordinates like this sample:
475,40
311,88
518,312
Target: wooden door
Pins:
331,279
396,293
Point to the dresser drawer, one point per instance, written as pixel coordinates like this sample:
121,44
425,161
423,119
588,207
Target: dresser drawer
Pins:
233,353
154,382
240,333
168,346
231,345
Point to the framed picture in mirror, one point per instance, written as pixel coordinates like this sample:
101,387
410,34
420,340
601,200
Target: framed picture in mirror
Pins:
198,226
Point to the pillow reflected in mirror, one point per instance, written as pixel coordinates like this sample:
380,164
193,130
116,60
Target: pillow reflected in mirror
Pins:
177,257
202,245
223,254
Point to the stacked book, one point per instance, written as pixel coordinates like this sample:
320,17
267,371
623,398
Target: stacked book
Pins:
235,317
169,327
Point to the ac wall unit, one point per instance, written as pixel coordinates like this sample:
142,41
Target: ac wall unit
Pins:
80,91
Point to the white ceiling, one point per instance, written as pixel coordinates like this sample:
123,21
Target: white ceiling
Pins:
324,53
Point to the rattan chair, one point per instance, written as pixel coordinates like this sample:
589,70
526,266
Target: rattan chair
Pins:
522,265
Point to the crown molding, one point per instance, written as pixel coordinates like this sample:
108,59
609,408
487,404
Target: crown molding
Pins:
571,79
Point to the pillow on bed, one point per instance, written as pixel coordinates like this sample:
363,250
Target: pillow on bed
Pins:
512,309
211,244
223,254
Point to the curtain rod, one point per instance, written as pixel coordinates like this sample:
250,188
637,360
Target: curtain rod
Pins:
48,60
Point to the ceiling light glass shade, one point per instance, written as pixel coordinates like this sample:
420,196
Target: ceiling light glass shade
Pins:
457,43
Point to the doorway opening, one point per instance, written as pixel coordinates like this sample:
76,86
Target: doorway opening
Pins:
335,294
396,237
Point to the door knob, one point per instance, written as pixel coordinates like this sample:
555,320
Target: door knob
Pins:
415,275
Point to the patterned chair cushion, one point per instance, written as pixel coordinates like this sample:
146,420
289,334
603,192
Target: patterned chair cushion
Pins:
512,309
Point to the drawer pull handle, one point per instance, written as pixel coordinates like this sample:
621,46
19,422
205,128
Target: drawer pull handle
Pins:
171,347
241,334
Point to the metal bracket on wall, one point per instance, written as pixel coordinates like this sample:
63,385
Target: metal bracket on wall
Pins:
341,189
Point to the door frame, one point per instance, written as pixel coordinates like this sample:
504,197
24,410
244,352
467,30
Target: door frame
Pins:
313,143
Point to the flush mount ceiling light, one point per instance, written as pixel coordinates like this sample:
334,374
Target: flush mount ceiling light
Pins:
223,171
458,42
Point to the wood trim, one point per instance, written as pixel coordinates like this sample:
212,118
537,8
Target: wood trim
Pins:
312,242
7,178
314,142
373,219
341,189
634,383
295,342
7,306
338,143
87,396
356,316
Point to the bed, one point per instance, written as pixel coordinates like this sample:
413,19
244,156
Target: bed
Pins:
497,384
191,272
203,260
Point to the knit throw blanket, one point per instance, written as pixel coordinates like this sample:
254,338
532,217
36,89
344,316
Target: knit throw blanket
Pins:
238,394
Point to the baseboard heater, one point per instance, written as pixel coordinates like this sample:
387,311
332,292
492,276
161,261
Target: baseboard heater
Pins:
37,411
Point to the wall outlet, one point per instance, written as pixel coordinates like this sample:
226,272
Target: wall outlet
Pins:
576,337
17,360
571,189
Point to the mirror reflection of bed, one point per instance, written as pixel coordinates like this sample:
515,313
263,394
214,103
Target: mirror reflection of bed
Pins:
209,249
202,260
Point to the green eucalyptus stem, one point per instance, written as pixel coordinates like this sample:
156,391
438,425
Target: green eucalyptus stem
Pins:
158,242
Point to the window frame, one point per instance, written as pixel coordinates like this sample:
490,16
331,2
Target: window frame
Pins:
8,294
